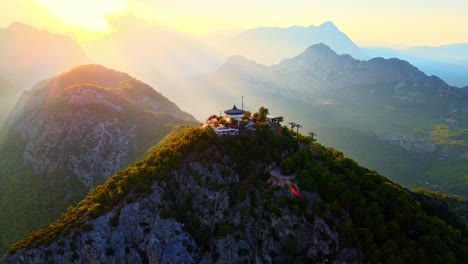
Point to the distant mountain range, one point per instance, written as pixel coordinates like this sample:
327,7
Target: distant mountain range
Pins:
28,54
67,135
269,45
158,54
448,62
319,73
325,70
385,113
453,52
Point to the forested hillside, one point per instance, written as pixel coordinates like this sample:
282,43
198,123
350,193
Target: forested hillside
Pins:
384,113
199,197
67,135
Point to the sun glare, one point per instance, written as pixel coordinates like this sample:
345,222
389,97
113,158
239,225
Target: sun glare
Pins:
84,13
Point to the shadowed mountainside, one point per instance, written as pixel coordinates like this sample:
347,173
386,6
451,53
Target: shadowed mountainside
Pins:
198,197
8,97
68,134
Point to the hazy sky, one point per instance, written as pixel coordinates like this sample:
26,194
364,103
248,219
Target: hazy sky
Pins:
404,22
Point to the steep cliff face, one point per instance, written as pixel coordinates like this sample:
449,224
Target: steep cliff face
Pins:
199,198
68,134
145,232
89,145
205,211
85,121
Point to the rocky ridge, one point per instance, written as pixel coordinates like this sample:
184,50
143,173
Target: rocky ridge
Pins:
221,222
320,69
256,43
78,121
137,233
197,199
69,134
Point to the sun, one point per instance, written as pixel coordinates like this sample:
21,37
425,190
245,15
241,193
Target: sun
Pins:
84,13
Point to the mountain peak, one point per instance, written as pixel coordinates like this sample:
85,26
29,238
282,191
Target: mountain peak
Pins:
237,59
75,130
95,84
320,48
20,25
93,71
321,61
89,73
318,56
328,25
20,28
90,96
241,63
256,43
317,53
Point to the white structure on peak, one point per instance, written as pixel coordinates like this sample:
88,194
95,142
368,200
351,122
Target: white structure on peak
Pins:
234,113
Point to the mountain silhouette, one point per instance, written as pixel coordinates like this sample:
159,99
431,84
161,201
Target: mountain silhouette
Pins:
28,54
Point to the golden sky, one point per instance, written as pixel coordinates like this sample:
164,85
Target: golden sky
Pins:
400,22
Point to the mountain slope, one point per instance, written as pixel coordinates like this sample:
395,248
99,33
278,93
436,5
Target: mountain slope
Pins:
417,123
68,134
201,198
449,66
8,95
268,45
342,71
25,49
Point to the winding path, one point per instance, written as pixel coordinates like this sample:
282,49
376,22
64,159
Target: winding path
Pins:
277,173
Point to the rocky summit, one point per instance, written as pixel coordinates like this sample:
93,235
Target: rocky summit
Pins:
201,198
86,120
68,134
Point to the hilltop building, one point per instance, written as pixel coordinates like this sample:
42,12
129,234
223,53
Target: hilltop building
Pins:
234,113
233,123
229,124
